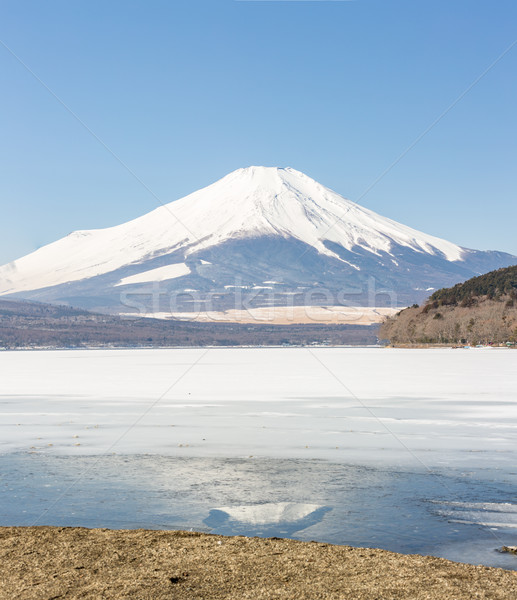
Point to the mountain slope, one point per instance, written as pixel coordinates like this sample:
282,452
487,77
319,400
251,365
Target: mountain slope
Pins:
274,231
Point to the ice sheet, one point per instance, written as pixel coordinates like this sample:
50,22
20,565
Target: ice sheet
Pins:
359,405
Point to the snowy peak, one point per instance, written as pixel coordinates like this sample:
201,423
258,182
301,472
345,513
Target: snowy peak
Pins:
257,207
271,200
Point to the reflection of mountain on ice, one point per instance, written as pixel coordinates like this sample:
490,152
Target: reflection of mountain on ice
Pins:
268,519
273,512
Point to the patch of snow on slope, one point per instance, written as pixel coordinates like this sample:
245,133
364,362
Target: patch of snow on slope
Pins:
159,274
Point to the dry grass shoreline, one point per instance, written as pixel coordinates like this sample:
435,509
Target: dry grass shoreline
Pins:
51,563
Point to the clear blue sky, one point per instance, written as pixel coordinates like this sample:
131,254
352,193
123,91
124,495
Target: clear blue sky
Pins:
186,91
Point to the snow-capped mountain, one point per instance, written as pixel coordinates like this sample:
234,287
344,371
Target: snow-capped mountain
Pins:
273,231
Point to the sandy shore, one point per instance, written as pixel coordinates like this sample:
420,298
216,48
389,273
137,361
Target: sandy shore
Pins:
47,563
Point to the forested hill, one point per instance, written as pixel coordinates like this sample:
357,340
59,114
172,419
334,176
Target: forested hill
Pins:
480,310
493,286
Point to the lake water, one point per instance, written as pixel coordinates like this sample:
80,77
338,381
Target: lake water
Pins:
412,451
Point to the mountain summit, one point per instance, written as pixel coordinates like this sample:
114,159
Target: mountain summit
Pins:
258,228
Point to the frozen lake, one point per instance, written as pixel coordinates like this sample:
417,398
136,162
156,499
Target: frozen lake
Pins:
410,450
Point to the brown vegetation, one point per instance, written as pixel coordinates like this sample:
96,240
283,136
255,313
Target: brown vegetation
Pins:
485,322
483,310
41,563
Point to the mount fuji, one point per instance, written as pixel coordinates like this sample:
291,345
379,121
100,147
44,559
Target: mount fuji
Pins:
271,235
